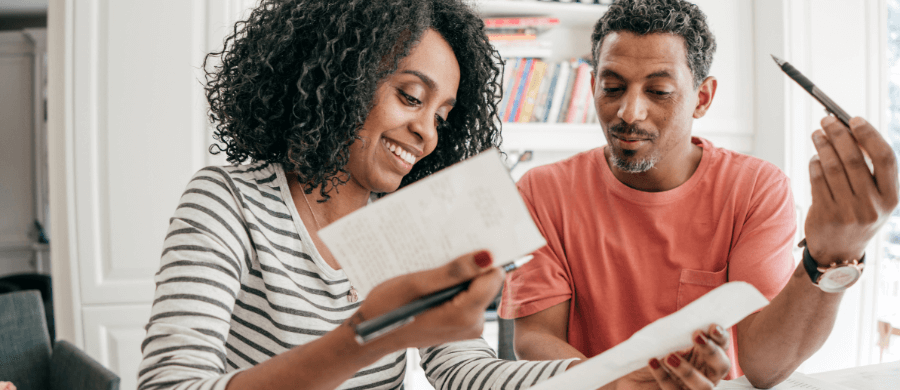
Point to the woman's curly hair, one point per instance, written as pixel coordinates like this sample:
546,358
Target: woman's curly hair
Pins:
297,80
677,17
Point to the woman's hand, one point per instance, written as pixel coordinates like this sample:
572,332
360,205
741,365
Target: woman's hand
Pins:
7,386
460,318
701,367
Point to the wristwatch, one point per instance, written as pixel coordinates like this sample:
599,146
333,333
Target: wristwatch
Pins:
836,277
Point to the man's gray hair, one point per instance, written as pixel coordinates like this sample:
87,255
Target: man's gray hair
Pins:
676,17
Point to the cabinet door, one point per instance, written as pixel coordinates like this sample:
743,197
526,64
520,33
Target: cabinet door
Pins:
113,336
139,129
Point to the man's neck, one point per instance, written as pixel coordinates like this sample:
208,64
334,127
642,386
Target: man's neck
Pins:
669,173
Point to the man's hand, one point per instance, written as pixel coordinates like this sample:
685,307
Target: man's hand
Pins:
849,204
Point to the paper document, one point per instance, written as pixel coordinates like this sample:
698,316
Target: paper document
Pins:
469,206
797,381
726,306
885,376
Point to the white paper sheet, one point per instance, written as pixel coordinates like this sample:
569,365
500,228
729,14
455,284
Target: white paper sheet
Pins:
470,206
885,376
726,306
797,381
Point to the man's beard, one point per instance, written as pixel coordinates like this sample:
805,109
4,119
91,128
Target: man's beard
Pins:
622,159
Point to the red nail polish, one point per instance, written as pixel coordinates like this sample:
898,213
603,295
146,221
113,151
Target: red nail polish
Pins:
654,364
674,361
483,259
699,339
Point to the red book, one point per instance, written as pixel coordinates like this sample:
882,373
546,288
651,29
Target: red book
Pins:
517,77
519,22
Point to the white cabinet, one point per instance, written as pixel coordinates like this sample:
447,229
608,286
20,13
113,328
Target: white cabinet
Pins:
128,128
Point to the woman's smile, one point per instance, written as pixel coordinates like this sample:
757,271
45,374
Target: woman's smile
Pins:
402,156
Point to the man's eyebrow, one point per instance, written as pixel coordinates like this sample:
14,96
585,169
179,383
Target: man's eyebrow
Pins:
662,73
428,82
606,73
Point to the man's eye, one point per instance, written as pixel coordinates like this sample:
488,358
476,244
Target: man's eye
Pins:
409,99
661,93
611,90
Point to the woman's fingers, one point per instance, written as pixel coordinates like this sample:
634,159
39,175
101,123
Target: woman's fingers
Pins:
663,378
718,334
709,355
462,269
682,371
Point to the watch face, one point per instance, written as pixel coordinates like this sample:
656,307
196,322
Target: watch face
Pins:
838,279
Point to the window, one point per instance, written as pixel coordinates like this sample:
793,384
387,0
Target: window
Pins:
888,288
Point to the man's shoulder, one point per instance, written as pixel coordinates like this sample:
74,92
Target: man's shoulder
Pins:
726,163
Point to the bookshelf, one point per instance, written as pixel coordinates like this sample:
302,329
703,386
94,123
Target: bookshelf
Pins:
571,39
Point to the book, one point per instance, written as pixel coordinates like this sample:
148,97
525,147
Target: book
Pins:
516,99
509,69
536,22
580,89
538,69
496,38
513,87
542,102
567,97
559,92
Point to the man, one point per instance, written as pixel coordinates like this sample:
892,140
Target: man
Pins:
657,218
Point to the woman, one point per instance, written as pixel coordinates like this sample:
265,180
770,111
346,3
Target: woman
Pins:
332,101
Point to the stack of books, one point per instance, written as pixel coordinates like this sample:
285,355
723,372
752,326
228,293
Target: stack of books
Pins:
535,91
518,37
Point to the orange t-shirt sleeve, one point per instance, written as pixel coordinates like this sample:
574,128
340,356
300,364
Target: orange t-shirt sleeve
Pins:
544,281
761,254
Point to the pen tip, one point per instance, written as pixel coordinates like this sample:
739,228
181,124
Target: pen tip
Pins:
778,61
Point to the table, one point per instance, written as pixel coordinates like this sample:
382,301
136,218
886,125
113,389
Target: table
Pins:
885,376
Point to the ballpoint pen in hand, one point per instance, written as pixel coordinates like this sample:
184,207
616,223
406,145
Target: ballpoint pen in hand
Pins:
370,329
817,93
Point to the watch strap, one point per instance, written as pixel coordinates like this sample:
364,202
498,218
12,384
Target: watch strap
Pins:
810,265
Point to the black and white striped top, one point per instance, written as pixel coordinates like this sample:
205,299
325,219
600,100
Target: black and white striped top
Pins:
240,281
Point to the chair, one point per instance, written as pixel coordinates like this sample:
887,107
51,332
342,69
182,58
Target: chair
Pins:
27,359
33,281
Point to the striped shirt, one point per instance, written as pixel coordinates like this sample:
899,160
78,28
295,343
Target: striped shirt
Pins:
240,281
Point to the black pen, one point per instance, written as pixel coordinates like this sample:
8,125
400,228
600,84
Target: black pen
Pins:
817,93
370,329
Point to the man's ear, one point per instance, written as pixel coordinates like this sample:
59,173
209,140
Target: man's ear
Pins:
705,94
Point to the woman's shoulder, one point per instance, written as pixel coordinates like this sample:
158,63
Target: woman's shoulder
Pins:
260,176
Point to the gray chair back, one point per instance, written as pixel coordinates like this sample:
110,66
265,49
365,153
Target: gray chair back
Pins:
24,342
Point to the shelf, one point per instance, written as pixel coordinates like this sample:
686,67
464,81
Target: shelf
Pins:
569,14
552,136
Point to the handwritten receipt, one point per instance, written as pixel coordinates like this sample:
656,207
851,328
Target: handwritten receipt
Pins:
469,206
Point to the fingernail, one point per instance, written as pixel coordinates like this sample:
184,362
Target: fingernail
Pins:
700,340
483,259
720,331
654,364
857,121
818,139
674,361
828,120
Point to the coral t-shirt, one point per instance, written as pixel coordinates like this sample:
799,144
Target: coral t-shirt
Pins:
626,258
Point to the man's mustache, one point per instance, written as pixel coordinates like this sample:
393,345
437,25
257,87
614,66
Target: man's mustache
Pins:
631,130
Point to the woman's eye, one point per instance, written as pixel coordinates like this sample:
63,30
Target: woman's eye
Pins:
440,123
610,91
410,100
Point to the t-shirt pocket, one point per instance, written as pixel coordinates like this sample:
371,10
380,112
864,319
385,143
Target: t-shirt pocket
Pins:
694,284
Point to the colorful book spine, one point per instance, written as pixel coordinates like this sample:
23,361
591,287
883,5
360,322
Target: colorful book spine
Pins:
509,70
542,103
580,90
520,90
514,86
567,98
559,93
538,69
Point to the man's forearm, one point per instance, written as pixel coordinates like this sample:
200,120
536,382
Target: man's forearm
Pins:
775,341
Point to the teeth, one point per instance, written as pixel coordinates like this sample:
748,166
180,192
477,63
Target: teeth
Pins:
399,152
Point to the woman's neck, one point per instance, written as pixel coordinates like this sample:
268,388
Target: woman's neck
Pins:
342,200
